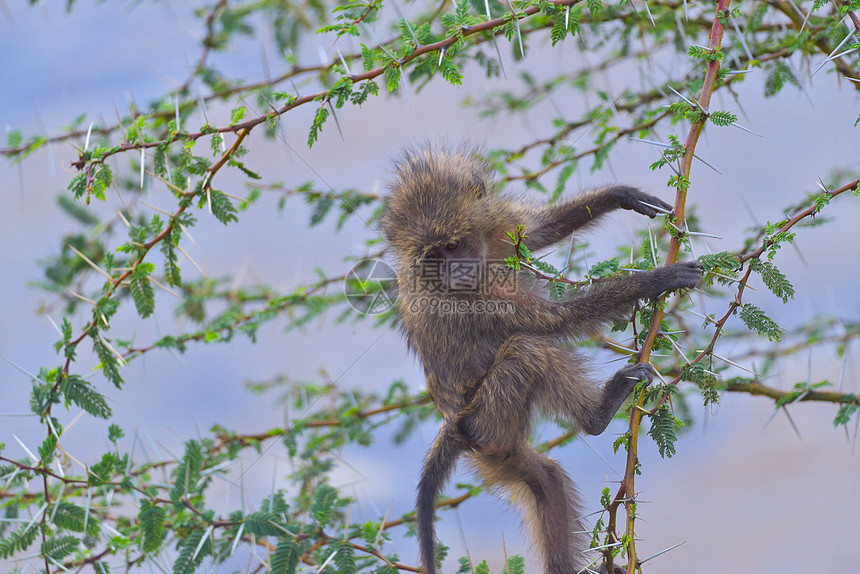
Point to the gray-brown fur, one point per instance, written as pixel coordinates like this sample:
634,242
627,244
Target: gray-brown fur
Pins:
491,374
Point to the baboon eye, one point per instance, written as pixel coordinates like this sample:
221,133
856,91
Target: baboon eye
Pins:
452,245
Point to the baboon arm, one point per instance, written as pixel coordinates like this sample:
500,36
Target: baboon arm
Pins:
600,304
554,223
584,314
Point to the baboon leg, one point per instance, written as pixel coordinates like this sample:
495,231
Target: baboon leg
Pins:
549,501
532,372
568,391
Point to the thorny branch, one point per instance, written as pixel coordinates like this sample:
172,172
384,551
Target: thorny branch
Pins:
463,32
720,323
627,490
114,285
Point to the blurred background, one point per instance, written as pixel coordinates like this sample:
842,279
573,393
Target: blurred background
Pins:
744,493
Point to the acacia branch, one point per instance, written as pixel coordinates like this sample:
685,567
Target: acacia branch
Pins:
758,389
627,490
820,40
720,323
147,247
463,32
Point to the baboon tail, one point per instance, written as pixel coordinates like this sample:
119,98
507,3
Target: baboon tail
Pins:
552,510
438,466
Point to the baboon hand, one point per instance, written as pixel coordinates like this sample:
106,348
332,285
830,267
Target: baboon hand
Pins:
632,374
684,275
615,393
640,202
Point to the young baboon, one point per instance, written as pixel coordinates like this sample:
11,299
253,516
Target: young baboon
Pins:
492,344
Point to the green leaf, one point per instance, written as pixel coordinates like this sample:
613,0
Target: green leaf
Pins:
46,449
172,274
14,138
78,391
723,260
237,114
663,425
222,208
441,553
844,414
285,559
141,290
341,91
778,283
187,471
186,561
322,205
450,71
367,58
101,180
698,52
17,541
369,532
708,55
756,320
722,119
515,564
284,97
109,364
275,504
392,76
72,517
58,548
561,183
696,373
368,88
215,144
159,161
78,185
322,508
345,557
316,127
780,73
102,471
720,267
115,433
605,497
605,268
558,31
547,268
264,524
152,518
67,331
232,162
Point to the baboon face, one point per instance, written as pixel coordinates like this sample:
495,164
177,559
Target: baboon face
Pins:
457,263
